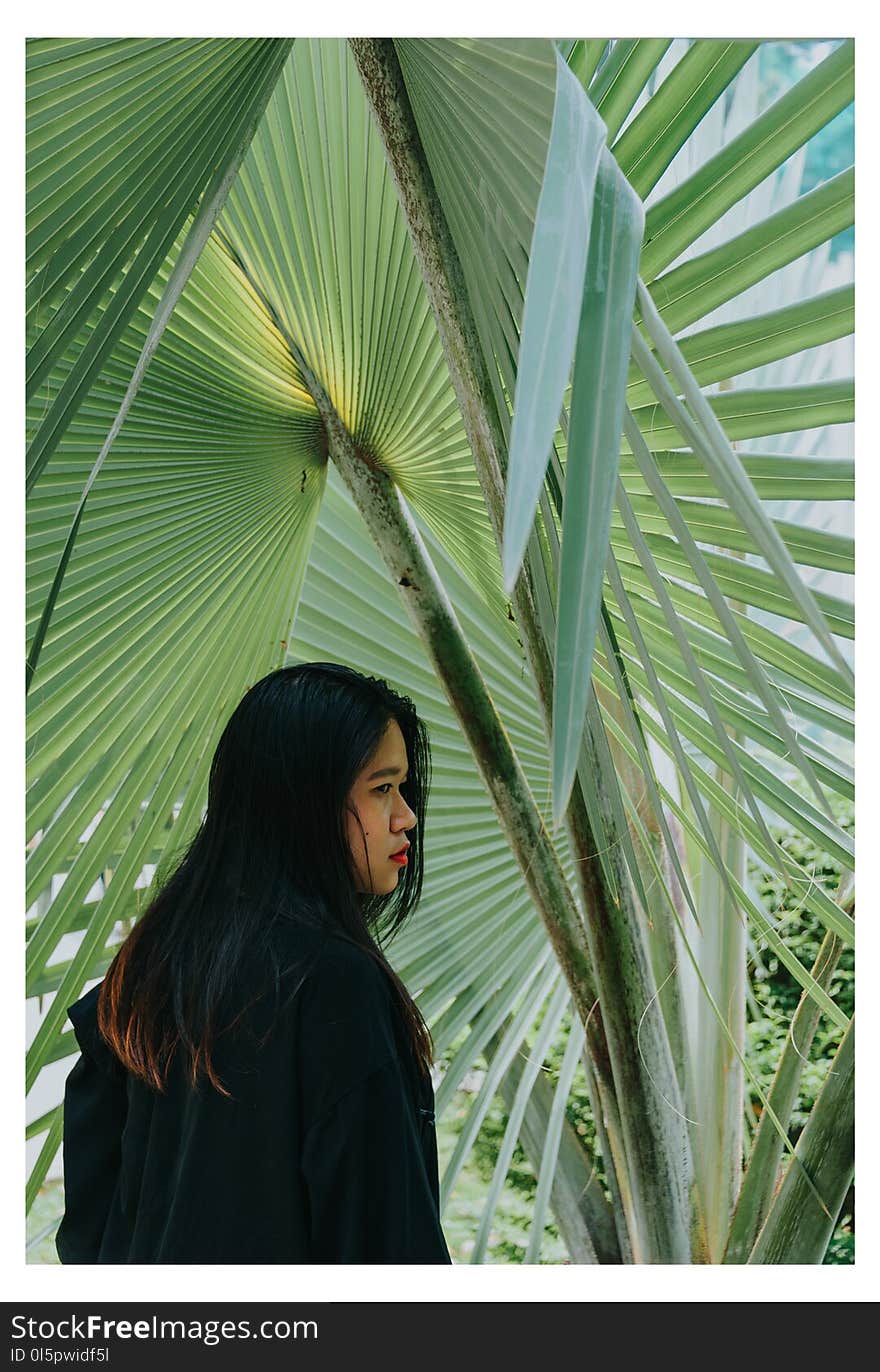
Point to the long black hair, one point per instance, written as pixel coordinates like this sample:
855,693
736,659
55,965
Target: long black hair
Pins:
272,845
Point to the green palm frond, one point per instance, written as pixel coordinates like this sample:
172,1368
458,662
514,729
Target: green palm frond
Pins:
217,541
148,126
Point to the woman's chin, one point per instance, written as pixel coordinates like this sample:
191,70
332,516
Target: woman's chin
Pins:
382,886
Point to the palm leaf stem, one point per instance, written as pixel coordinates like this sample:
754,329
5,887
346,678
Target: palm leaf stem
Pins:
619,944
609,1135
612,921
444,280
407,560
430,610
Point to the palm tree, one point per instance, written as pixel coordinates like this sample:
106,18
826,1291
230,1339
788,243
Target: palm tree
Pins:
388,351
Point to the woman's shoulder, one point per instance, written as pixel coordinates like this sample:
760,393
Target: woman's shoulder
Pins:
337,973
344,996
325,950
83,1015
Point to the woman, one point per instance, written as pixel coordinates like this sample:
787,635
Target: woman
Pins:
254,1080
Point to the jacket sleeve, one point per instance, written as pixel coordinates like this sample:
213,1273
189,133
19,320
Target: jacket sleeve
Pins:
368,1186
95,1107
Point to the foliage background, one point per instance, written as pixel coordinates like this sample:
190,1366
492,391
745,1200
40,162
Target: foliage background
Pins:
773,995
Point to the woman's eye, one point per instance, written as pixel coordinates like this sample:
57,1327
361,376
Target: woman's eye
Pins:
386,786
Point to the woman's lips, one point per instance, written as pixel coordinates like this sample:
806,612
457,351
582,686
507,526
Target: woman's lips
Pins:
401,858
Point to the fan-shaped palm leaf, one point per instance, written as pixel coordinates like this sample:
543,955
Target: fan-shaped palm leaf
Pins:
310,321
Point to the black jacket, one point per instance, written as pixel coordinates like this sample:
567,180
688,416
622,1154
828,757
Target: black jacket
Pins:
326,1154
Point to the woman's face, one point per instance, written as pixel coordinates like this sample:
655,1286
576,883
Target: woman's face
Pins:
384,814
